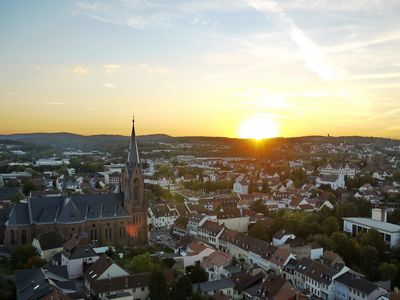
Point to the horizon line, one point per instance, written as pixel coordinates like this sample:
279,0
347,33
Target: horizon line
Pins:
202,136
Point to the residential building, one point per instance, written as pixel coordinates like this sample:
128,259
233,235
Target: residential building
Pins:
390,232
48,244
351,286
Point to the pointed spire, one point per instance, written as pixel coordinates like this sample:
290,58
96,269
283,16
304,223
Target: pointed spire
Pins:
133,156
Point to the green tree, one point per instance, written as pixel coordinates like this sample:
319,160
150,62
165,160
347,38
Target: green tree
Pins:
157,286
388,271
259,231
348,249
370,262
26,256
142,263
259,207
325,241
330,225
182,289
196,273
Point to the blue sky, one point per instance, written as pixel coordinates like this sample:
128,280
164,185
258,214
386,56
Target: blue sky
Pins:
200,67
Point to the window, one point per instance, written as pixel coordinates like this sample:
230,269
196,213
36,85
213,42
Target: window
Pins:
93,234
136,188
12,237
23,237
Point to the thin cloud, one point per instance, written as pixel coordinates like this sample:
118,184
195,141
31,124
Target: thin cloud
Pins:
56,103
80,70
313,55
33,66
110,85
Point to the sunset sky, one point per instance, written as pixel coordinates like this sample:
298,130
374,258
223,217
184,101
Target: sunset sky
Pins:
215,68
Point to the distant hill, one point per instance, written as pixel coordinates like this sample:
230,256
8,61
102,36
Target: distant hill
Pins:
65,140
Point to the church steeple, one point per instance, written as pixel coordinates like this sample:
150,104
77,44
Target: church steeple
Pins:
133,156
132,182
132,187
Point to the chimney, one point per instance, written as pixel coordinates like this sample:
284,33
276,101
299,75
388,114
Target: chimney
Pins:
379,214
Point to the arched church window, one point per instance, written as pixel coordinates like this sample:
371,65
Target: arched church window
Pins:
23,237
12,237
136,187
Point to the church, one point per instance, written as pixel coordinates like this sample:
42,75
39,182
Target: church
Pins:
107,219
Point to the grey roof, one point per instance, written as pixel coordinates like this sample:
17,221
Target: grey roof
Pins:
215,285
4,214
231,269
19,215
31,284
356,282
50,240
57,272
80,252
7,193
328,178
76,209
379,225
68,286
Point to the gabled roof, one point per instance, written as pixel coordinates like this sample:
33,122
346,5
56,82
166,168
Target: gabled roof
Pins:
101,265
244,280
50,240
75,209
281,233
228,235
229,213
217,258
280,256
80,251
57,272
31,284
249,243
215,285
356,282
8,193
181,222
196,247
119,283
19,215
162,210
316,270
212,228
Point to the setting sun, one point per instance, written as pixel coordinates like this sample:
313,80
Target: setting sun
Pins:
258,127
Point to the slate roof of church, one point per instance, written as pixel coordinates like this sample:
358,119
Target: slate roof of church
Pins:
64,210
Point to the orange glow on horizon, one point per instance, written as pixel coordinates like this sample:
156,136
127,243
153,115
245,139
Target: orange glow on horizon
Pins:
258,127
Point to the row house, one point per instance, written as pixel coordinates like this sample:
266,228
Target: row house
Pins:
180,227
351,286
271,258
210,232
241,245
233,218
215,263
315,277
161,217
195,221
225,239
